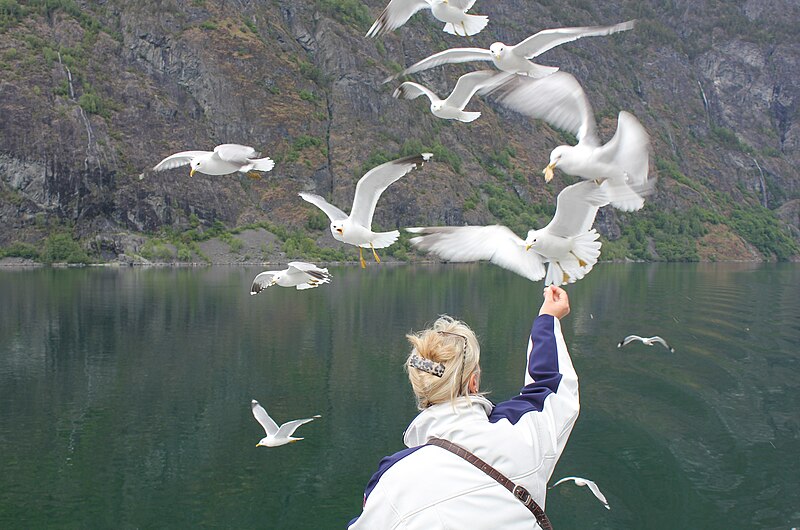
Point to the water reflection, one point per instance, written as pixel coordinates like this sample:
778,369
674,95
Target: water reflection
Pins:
126,392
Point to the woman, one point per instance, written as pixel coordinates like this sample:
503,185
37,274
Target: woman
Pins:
428,487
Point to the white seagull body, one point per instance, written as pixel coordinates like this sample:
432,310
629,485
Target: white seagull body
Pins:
299,274
568,243
516,59
586,482
223,160
355,229
276,435
623,161
649,341
452,12
452,108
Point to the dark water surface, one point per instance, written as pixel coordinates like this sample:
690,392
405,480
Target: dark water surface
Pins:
125,393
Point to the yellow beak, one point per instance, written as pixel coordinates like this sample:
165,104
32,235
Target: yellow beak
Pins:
548,171
528,247
191,173
341,232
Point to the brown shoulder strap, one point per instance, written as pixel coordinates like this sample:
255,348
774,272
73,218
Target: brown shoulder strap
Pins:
517,490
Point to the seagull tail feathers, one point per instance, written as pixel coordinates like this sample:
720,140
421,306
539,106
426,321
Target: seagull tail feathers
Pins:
263,164
384,239
586,248
467,117
470,25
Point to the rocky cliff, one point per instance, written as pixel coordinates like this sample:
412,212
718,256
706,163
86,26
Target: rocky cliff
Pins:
93,94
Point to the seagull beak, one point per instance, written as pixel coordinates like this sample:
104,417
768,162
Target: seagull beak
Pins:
341,231
528,247
258,445
191,173
548,171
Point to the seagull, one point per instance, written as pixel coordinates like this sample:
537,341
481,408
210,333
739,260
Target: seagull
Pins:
649,341
224,159
586,482
276,435
452,108
568,243
299,274
356,228
515,59
560,100
452,12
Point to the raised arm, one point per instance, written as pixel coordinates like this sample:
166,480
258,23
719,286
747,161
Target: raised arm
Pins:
549,399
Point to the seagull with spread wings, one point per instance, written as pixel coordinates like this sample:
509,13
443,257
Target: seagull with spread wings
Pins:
224,159
300,274
586,482
452,12
648,341
356,228
568,243
452,108
275,435
623,162
516,59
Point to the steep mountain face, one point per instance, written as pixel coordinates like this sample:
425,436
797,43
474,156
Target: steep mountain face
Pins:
94,94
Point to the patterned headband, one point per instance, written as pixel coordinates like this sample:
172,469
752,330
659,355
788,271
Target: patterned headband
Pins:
426,365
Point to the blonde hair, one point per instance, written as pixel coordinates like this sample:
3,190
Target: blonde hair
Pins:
443,343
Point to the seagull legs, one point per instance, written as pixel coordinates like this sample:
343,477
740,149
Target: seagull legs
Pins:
581,263
361,258
254,175
377,259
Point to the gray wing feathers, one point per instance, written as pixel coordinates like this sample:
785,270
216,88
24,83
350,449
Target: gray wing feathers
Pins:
468,84
557,99
235,153
494,243
270,427
576,208
178,160
411,90
396,13
453,55
550,38
288,428
333,213
375,181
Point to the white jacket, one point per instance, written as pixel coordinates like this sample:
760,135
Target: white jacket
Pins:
426,487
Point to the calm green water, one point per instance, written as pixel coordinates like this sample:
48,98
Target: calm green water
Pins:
125,393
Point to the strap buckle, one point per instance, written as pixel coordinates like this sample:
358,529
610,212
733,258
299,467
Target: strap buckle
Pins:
523,495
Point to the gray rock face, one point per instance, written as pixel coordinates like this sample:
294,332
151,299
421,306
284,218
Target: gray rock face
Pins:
84,114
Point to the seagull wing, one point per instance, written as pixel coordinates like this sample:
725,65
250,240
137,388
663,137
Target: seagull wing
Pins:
309,269
178,160
411,90
468,84
333,213
376,180
560,481
630,338
395,15
288,428
576,208
235,153
261,281
557,99
270,427
661,341
493,243
629,149
550,38
453,55
597,493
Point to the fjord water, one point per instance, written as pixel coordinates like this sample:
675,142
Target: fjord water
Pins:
125,392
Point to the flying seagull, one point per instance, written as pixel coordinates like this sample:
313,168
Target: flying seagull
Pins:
452,108
276,435
452,12
299,274
649,341
568,243
224,159
356,228
585,482
515,59
560,100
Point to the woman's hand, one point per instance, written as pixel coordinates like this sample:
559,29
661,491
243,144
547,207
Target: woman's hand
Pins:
556,302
